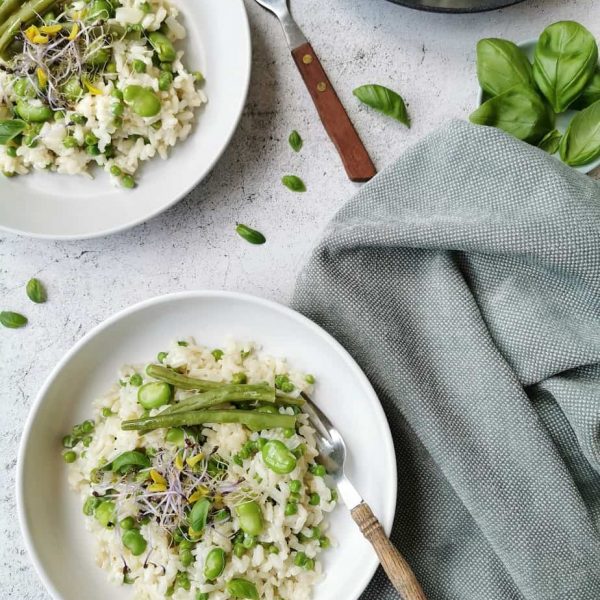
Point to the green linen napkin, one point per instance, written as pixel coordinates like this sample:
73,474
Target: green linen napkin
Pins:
465,280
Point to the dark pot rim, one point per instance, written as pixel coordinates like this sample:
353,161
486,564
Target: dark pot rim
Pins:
431,6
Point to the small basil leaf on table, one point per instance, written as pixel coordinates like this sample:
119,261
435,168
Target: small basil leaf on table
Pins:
36,291
295,141
581,142
294,183
519,111
250,235
500,65
12,320
590,94
565,59
384,100
550,143
10,129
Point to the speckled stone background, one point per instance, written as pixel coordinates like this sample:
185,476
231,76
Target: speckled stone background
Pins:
428,58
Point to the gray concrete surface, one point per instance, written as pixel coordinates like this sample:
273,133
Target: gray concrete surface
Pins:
428,58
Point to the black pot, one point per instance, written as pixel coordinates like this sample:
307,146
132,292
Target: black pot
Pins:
456,6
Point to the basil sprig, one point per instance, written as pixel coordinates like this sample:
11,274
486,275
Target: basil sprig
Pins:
581,142
10,129
565,59
294,183
384,100
500,65
295,141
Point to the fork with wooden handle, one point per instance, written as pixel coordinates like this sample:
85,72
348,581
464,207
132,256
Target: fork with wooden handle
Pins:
354,155
332,450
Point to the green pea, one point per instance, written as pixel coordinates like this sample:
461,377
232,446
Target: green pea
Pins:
277,456
261,442
309,565
242,589
287,387
70,142
318,470
324,542
249,541
111,67
295,486
136,380
161,357
310,379
176,436
100,9
32,113
99,57
11,151
24,88
73,90
198,77
115,171
239,378
93,150
106,513
127,181
78,119
134,541
146,7
288,433
165,81
127,523
294,496
139,66
201,596
163,47
69,441
70,456
182,580
291,508
239,550
300,559
238,460
314,499
334,495
154,394
90,505
250,517
87,440
299,450
90,139
131,92
107,412
116,93
59,115
117,109
273,549
214,564
186,557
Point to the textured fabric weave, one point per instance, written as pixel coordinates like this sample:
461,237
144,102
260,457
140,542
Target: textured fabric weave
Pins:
465,280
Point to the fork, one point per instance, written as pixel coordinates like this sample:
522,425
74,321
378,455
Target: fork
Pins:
332,449
354,155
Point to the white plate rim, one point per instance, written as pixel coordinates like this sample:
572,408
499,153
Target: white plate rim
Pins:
524,45
147,217
379,415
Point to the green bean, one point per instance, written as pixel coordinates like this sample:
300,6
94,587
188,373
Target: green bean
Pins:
8,7
165,51
134,541
214,563
33,114
182,382
278,457
154,394
28,11
250,517
252,420
229,393
242,589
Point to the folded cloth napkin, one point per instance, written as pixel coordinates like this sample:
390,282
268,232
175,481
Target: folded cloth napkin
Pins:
465,280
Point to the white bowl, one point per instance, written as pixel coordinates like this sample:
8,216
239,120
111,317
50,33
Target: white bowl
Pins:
50,514
562,120
48,205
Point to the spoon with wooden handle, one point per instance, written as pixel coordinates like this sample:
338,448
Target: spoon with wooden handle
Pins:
354,155
332,454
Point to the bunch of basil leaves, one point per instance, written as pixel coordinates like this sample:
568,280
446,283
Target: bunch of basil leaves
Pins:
524,99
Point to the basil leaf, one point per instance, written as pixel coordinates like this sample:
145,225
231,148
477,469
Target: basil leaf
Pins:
10,129
581,143
198,516
250,235
518,111
12,320
550,143
36,291
501,65
384,100
293,183
565,59
127,462
590,94
295,141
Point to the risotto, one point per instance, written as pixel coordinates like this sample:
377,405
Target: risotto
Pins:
98,82
199,479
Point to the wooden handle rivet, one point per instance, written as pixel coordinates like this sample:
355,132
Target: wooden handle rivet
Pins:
321,86
307,59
